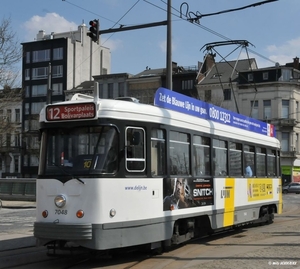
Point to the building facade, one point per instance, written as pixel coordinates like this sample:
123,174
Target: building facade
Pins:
10,133
52,65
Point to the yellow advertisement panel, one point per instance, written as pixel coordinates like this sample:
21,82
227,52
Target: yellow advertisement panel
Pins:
259,189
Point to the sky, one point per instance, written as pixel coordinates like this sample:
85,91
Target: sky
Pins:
271,29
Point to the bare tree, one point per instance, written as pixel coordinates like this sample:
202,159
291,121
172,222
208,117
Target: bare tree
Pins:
10,54
10,99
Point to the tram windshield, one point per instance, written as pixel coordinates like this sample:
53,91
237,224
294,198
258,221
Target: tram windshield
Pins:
79,151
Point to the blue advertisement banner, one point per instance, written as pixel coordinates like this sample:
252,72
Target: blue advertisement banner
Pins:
178,102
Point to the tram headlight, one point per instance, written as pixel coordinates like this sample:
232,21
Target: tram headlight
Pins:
112,212
60,201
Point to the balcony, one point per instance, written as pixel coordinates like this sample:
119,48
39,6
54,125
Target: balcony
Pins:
287,122
10,149
288,154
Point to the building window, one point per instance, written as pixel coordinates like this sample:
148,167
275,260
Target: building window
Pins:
39,73
28,57
285,109
265,75
207,95
37,107
26,107
267,109
110,90
27,91
39,90
18,115
26,125
285,141
34,125
16,164
254,109
34,142
34,161
101,91
57,53
187,84
25,160
57,71
286,75
250,77
27,74
121,86
41,56
17,140
8,140
227,94
57,88
8,115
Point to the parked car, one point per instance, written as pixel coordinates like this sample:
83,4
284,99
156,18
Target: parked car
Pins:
293,187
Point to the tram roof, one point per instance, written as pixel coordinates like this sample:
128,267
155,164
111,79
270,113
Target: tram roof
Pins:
134,111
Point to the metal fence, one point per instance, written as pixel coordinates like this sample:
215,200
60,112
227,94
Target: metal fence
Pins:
18,189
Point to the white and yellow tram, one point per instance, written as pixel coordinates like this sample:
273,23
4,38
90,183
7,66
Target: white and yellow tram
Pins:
115,173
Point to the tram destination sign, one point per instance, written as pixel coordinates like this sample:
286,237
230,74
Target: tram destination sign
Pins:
175,101
70,112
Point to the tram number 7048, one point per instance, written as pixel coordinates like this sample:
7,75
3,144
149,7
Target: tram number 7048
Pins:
61,212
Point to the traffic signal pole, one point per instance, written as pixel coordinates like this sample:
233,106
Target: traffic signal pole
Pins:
140,26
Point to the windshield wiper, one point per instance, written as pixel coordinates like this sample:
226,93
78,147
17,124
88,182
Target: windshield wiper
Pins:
68,174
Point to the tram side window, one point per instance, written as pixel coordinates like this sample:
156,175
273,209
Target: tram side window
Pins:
179,153
135,149
235,159
271,163
261,162
201,155
158,152
219,157
249,152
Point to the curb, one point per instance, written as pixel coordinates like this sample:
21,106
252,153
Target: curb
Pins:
16,204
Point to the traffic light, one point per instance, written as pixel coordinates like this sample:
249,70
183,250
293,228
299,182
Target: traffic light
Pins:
94,31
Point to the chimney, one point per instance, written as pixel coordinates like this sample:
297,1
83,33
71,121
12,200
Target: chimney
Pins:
296,63
210,61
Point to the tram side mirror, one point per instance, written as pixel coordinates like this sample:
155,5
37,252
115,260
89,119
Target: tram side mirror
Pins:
135,140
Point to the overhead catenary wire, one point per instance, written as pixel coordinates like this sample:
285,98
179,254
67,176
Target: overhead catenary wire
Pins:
179,15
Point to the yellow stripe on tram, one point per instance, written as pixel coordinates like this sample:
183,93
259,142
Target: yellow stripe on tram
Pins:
229,202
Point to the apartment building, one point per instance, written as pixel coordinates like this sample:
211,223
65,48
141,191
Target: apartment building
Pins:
53,64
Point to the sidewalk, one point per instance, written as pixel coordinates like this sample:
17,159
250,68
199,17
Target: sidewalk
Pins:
17,204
